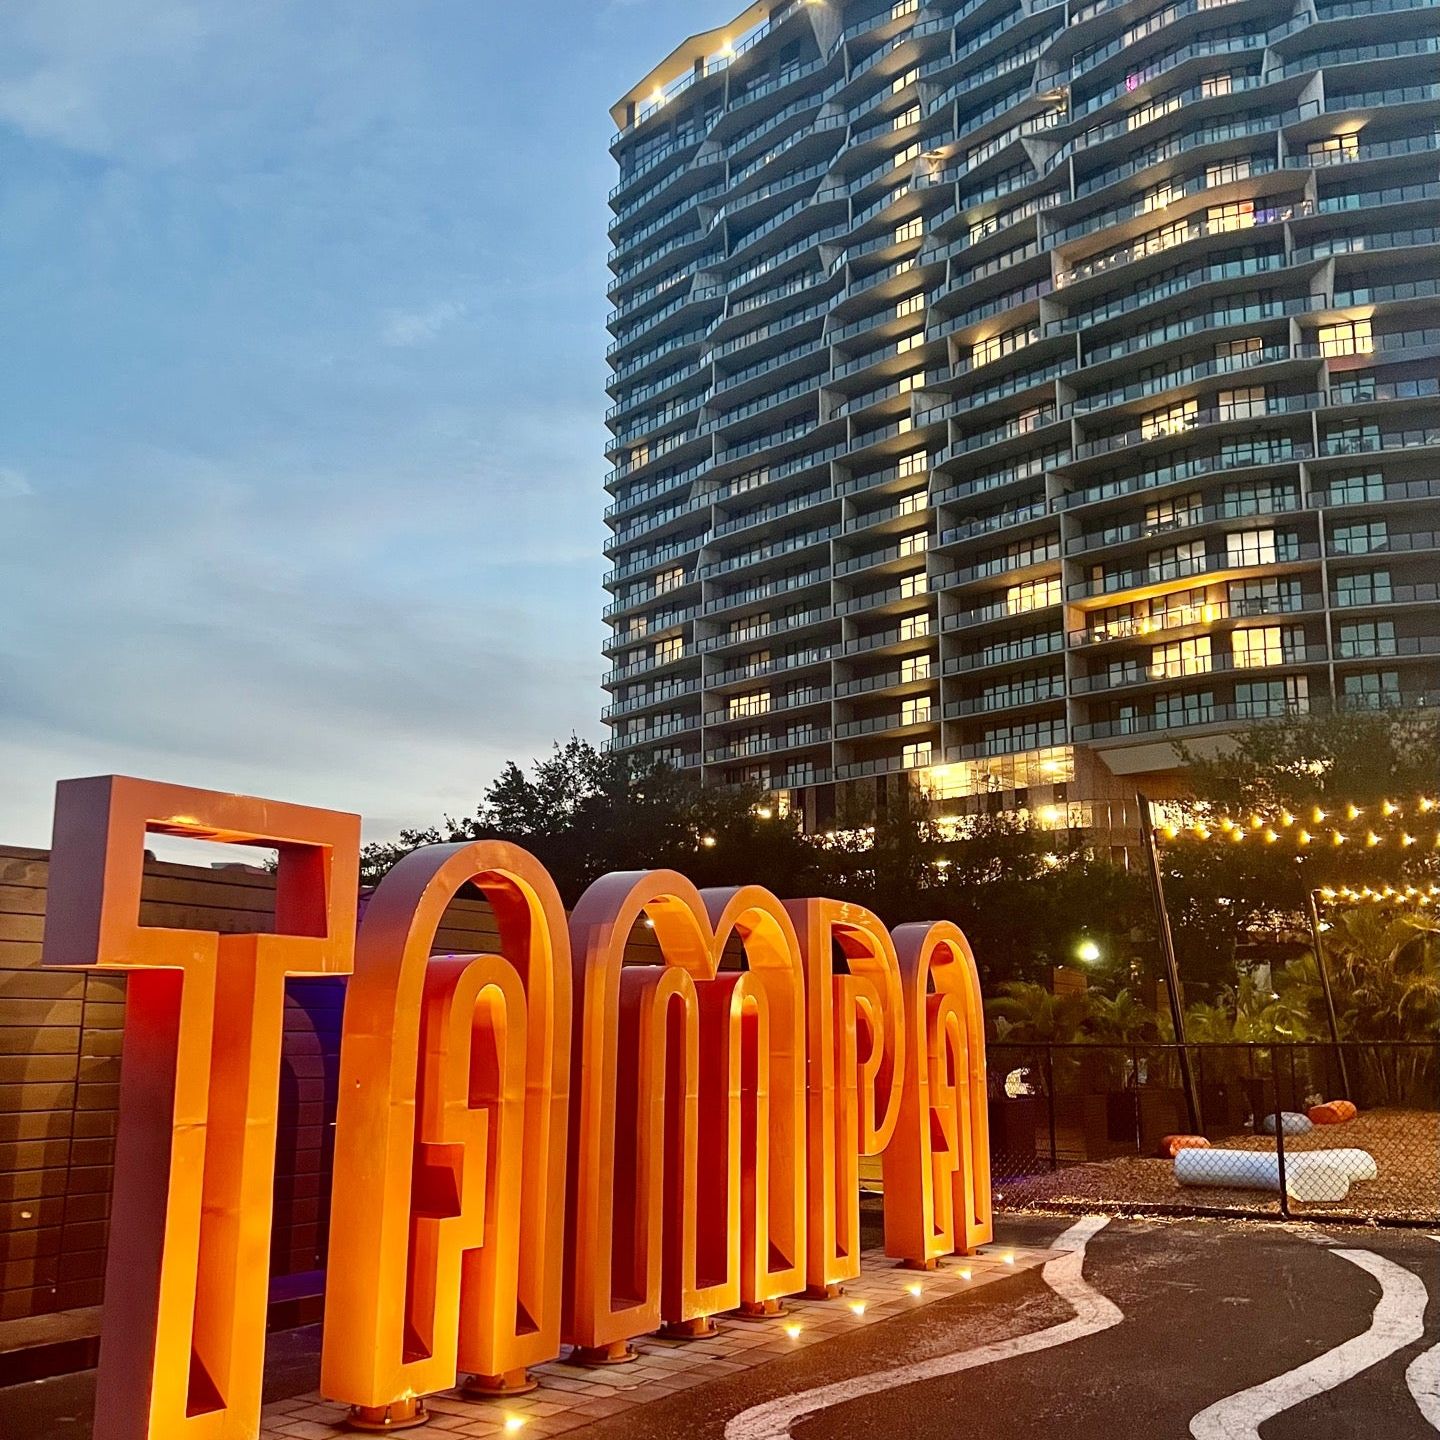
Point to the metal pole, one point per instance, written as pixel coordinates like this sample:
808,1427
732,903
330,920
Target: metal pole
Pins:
1323,966
1050,1091
1279,1113
1172,965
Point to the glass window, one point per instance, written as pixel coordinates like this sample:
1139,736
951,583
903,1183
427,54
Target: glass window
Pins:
1374,690
1173,420
1180,658
1366,639
1348,337
1251,547
1355,489
1364,587
1360,537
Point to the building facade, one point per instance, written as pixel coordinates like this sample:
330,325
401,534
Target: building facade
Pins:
1005,390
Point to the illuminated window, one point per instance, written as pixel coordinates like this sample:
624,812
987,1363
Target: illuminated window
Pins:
756,704
1334,147
669,580
907,343
914,544
1236,350
906,117
1239,215
910,305
901,81
913,712
912,504
905,156
912,585
1180,658
915,757
1226,172
997,345
1032,595
911,229
1251,547
1216,85
1241,404
1171,421
671,649
1253,649
916,463
913,627
1160,197
1347,337
916,667
907,383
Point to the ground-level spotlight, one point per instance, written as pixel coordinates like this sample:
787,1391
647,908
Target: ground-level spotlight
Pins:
514,1424
793,1331
917,1290
857,1307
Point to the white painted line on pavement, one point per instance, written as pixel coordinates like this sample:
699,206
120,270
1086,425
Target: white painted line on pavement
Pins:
1398,1321
1423,1378
1064,1275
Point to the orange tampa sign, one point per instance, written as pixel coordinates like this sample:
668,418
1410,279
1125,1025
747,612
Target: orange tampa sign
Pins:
552,1145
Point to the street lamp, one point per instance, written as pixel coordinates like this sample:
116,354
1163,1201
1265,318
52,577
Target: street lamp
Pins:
1088,951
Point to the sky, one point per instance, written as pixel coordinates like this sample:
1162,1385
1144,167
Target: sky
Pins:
302,396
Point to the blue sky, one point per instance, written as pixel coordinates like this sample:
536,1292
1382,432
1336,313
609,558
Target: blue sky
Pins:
301,413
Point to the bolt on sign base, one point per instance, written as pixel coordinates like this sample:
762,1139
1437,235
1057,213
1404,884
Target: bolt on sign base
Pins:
499,1387
760,1310
700,1328
378,1419
824,1292
592,1356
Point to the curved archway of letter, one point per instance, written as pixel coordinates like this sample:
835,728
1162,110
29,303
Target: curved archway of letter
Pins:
937,1168
772,1092
679,1207
447,1233
857,1043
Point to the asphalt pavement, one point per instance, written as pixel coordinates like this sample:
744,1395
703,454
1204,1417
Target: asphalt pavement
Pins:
1136,1330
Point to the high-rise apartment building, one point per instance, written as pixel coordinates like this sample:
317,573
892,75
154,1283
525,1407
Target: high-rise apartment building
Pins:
1005,390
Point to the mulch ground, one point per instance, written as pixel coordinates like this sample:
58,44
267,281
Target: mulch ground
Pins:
1404,1143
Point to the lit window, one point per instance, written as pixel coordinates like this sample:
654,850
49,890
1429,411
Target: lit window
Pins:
1251,547
1216,85
1253,649
1172,421
915,757
1241,404
1348,337
1032,595
1226,172
1179,658
1334,147
1240,215
910,305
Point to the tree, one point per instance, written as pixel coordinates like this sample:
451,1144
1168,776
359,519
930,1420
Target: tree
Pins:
583,812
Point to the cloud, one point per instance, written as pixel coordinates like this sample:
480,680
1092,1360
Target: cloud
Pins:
13,484
405,329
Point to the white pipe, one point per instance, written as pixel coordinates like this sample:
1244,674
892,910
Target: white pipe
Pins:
1309,1175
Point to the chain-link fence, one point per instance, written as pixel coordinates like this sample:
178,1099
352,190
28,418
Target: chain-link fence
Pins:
1349,1130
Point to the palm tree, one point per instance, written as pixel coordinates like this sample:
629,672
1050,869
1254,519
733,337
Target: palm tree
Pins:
1026,1012
1120,1018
